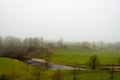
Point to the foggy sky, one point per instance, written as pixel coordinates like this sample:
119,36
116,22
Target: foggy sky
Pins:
73,20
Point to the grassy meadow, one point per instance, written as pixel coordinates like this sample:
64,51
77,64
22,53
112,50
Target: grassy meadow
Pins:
12,69
73,56
16,70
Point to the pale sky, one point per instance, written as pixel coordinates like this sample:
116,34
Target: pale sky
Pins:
73,20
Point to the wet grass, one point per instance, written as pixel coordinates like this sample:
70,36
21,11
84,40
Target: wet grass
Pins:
21,71
81,57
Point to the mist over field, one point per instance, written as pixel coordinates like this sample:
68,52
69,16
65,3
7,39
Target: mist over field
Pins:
59,39
73,20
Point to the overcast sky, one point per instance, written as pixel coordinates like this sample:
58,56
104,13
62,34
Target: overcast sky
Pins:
73,20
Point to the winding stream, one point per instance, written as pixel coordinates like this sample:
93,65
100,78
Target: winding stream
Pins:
52,66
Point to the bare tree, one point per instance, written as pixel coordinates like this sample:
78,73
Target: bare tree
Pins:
112,71
38,73
93,62
74,73
60,43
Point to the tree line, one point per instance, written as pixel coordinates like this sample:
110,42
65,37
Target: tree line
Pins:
33,47
29,47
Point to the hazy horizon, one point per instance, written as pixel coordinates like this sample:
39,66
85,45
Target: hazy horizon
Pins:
72,20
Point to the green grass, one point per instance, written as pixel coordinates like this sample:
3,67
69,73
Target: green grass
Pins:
21,71
15,68
96,75
78,56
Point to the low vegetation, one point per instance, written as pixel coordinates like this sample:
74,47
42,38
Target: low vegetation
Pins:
81,57
15,70
99,56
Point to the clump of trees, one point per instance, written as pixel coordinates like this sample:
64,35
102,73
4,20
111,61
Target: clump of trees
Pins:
29,47
85,45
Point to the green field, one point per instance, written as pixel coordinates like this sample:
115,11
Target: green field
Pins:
20,71
77,56
12,69
16,70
